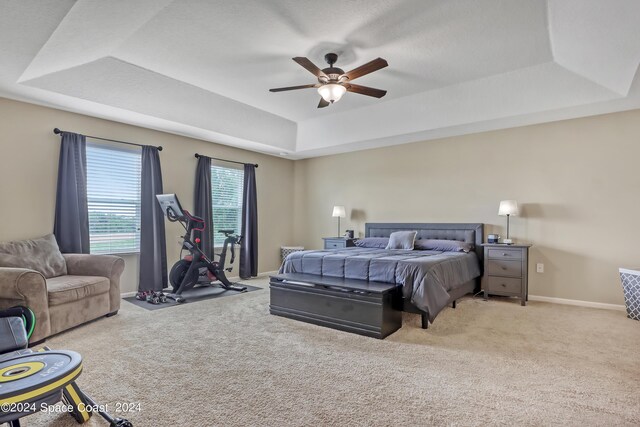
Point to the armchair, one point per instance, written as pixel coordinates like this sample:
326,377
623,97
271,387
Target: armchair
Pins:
88,288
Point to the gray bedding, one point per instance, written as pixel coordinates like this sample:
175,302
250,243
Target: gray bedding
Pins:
426,276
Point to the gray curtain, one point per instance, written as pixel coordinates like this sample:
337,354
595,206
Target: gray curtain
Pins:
71,224
202,204
153,245
249,248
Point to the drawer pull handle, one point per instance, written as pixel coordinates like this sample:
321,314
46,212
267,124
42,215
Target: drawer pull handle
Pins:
504,268
503,285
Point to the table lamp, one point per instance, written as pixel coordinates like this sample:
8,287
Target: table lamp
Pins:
339,212
508,208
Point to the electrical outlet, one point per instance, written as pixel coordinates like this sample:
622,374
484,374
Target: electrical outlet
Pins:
539,267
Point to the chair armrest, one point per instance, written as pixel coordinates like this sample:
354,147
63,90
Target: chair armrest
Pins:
93,265
21,286
108,266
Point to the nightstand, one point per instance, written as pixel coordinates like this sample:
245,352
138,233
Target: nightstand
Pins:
506,270
338,242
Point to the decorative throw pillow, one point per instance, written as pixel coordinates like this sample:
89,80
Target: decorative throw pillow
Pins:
443,245
373,242
402,240
41,254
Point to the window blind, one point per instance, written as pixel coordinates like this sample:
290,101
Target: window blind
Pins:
113,196
226,198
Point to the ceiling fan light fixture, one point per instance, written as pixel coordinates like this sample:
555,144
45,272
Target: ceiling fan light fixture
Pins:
332,92
333,83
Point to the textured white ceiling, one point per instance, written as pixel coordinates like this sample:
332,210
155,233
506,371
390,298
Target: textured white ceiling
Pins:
203,68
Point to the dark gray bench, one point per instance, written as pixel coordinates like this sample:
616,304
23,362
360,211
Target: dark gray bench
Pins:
358,306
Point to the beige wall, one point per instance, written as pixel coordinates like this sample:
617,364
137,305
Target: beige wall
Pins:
578,182
28,170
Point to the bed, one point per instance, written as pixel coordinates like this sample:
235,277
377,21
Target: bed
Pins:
430,280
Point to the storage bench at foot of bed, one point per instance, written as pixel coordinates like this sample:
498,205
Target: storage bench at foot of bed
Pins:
358,306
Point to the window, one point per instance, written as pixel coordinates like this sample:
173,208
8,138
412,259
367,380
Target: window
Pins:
226,198
113,196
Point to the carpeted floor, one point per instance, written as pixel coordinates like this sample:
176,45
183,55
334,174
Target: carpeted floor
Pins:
228,362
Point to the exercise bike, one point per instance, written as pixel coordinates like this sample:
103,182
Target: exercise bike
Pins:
185,273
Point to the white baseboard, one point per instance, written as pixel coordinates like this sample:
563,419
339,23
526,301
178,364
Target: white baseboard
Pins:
235,278
578,303
268,273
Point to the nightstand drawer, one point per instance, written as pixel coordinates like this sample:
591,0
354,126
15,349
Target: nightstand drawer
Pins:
499,267
332,244
505,285
338,242
505,253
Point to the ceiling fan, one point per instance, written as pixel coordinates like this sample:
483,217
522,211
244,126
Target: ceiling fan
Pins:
333,82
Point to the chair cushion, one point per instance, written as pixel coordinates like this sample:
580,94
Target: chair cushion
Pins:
64,289
41,254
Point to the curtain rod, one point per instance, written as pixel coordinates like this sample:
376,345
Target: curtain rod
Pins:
59,132
225,160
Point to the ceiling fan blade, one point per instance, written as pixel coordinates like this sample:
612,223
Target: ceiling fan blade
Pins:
367,68
310,66
282,89
364,90
323,103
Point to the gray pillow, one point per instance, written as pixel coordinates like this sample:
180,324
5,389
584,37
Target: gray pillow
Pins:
373,242
402,240
443,245
40,254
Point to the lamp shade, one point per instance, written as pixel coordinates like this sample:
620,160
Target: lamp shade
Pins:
338,211
508,207
332,92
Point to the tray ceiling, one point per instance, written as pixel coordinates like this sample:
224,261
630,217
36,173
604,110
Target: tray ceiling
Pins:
203,68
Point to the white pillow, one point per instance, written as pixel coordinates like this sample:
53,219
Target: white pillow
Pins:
402,240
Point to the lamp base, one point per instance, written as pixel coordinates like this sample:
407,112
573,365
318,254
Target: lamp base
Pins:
507,241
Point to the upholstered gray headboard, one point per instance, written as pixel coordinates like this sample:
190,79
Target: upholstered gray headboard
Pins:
470,233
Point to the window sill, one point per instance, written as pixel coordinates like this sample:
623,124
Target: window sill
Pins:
117,253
